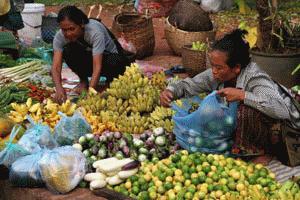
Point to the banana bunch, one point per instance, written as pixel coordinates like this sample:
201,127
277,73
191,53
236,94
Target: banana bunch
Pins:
117,104
125,86
161,117
159,80
47,113
135,123
95,103
289,191
145,100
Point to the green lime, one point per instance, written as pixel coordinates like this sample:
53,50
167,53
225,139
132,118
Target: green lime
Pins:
185,169
252,180
210,159
231,185
151,184
136,184
133,178
142,181
218,187
144,195
263,172
189,162
192,189
152,195
168,186
161,190
169,172
192,170
210,188
175,158
206,169
135,190
195,181
201,179
162,176
186,175
209,180
144,187
225,188
188,195
215,177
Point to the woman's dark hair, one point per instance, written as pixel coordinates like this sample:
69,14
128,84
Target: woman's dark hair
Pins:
236,48
73,14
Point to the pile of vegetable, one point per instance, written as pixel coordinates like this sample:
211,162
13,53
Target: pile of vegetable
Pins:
130,104
200,176
23,72
147,146
111,171
38,92
10,93
6,61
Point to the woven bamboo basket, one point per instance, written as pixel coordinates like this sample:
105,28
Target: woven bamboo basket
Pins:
194,61
177,38
137,29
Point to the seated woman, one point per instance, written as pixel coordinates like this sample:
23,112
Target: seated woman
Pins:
88,48
264,105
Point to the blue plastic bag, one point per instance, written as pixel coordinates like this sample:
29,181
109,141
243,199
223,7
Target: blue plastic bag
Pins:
12,151
209,129
37,137
70,129
25,171
62,169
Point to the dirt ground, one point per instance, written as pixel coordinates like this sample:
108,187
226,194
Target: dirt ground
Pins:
163,55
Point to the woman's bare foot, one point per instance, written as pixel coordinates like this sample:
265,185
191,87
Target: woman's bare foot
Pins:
83,85
264,159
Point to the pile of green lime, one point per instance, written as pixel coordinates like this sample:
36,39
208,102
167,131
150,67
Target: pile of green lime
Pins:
199,176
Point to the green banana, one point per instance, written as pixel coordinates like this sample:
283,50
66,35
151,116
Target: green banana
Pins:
295,189
287,186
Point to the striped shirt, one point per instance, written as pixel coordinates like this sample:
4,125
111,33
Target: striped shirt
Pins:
261,92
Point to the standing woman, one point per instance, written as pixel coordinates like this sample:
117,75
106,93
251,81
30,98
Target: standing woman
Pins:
88,48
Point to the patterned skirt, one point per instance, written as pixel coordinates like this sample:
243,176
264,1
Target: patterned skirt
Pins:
256,133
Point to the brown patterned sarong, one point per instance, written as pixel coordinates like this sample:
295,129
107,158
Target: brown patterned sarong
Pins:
256,132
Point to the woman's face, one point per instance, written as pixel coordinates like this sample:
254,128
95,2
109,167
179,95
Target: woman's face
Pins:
221,71
71,30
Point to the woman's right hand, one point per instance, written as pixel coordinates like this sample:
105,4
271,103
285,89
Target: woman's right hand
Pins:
60,95
166,97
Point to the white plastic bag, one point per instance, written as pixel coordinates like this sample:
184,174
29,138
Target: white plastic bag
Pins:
216,5
62,169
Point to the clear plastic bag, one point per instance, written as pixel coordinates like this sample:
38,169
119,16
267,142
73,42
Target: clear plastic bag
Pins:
25,171
12,151
209,128
62,169
69,129
37,137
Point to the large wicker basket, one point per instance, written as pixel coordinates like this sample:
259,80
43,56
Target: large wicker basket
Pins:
194,61
177,38
137,29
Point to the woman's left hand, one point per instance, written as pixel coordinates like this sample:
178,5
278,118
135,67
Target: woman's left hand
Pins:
232,94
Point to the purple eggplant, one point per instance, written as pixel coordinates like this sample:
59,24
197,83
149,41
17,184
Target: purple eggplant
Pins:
117,135
110,145
103,138
132,165
96,138
143,136
94,150
171,137
109,135
149,144
126,151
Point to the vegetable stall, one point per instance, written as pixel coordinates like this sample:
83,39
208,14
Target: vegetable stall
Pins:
120,141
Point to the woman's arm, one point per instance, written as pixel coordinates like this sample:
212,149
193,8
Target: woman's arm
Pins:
97,66
56,76
203,82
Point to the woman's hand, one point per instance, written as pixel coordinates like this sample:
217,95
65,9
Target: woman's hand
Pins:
232,94
60,95
166,97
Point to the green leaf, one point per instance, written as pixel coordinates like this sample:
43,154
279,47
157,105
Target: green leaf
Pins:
296,70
